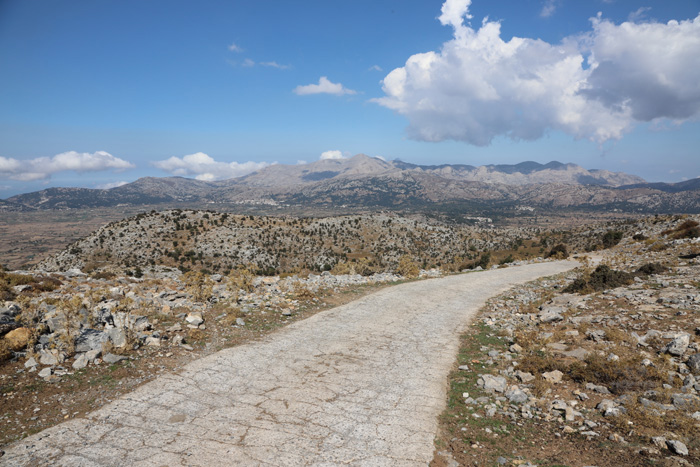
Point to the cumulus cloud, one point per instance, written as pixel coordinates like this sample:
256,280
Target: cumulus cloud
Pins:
324,86
595,85
41,168
331,155
205,168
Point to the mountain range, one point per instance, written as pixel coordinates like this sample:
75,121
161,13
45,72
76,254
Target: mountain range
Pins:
367,182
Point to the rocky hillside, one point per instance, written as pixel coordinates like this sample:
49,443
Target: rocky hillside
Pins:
369,183
362,166
218,242
601,366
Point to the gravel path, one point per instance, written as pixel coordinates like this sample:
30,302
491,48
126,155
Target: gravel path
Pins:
361,384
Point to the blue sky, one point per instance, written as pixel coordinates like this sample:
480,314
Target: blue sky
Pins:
99,92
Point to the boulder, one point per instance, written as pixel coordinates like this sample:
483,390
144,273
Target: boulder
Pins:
17,339
677,447
90,339
31,363
117,336
524,377
194,318
551,314
111,358
553,376
694,363
492,383
80,362
678,345
49,357
516,395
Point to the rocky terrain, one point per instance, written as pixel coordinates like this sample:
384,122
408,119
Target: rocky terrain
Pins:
600,365
371,183
219,242
596,367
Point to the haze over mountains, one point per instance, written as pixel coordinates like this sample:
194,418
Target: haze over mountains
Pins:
367,182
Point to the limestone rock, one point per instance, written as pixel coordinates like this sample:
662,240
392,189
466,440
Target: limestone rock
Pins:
117,336
90,339
516,395
49,357
111,358
524,377
492,383
677,447
80,362
17,339
694,363
553,376
551,314
678,345
194,318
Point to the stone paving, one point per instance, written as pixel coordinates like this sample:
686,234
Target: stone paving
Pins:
361,384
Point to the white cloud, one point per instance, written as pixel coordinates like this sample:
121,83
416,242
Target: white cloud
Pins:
235,48
107,186
548,8
638,15
204,167
332,155
42,168
248,63
375,68
453,13
478,86
274,65
324,86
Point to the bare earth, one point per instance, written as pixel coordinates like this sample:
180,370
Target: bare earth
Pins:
361,384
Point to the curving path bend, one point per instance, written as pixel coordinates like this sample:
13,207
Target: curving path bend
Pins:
361,384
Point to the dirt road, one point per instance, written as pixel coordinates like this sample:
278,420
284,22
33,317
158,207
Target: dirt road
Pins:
361,384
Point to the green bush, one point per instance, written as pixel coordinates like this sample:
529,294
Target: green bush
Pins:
611,238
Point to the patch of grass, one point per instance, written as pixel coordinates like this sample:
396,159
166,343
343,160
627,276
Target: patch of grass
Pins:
620,376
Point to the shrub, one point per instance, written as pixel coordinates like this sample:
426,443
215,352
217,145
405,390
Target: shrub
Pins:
241,279
688,229
611,238
484,261
559,252
602,278
407,267
507,259
198,285
342,267
651,268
